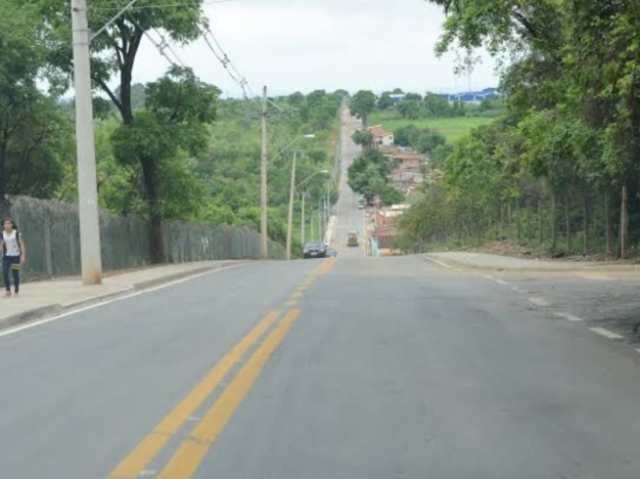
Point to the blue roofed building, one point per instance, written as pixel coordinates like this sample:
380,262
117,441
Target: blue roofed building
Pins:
472,96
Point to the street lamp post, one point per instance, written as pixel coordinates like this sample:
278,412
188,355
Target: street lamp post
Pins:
303,225
292,188
264,251
292,191
263,179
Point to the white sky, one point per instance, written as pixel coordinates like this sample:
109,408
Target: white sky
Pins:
303,45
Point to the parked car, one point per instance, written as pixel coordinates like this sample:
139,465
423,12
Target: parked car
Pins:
332,252
314,249
362,203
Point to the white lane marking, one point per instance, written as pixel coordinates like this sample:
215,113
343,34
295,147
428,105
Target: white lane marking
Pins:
502,282
539,302
439,263
519,290
569,317
606,333
488,276
44,321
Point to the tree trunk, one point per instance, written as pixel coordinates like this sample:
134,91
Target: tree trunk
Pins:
624,223
567,220
529,224
607,223
155,211
518,225
540,232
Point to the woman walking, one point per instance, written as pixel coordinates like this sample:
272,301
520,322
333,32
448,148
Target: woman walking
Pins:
13,251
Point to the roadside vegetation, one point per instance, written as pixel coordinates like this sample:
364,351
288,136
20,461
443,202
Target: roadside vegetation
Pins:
558,171
171,149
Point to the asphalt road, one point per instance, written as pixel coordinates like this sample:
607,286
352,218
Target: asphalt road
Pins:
354,368
365,368
349,217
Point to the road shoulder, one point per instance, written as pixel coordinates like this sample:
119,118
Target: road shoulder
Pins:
47,298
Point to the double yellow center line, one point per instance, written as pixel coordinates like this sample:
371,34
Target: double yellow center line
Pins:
187,459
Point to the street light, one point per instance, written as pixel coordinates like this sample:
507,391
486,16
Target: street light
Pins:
88,213
263,178
292,190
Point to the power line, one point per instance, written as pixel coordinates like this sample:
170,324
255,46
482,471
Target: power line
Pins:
226,62
160,46
164,43
167,5
208,37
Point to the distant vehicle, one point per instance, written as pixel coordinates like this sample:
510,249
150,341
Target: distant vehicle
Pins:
314,249
352,239
332,252
362,203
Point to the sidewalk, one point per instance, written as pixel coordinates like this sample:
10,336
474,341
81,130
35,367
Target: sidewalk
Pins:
497,262
45,298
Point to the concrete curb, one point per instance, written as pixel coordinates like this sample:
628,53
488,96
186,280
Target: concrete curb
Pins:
551,269
58,308
31,315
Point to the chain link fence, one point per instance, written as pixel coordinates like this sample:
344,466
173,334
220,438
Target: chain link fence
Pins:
52,235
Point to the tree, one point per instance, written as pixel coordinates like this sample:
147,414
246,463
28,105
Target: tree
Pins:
179,108
34,134
363,139
410,109
385,101
369,175
114,53
115,50
406,135
362,105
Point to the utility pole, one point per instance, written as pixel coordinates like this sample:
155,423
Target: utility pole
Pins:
264,252
321,226
292,192
89,214
302,223
312,226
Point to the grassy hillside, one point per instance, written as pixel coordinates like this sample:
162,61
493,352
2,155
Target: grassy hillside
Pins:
451,128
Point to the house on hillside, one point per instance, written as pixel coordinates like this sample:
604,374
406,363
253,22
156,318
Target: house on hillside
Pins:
406,181
433,175
386,230
381,138
411,161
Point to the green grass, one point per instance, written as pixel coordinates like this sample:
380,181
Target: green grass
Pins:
451,128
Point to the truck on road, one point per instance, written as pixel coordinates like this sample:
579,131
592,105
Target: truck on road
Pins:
352,239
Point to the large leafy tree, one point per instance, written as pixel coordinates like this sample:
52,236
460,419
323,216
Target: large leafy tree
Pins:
33,131
179,107
114,51
113,56
362,105
570,133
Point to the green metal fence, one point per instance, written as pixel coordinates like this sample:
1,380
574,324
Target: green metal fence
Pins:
52,234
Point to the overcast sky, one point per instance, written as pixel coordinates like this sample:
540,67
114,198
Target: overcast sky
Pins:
303,45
